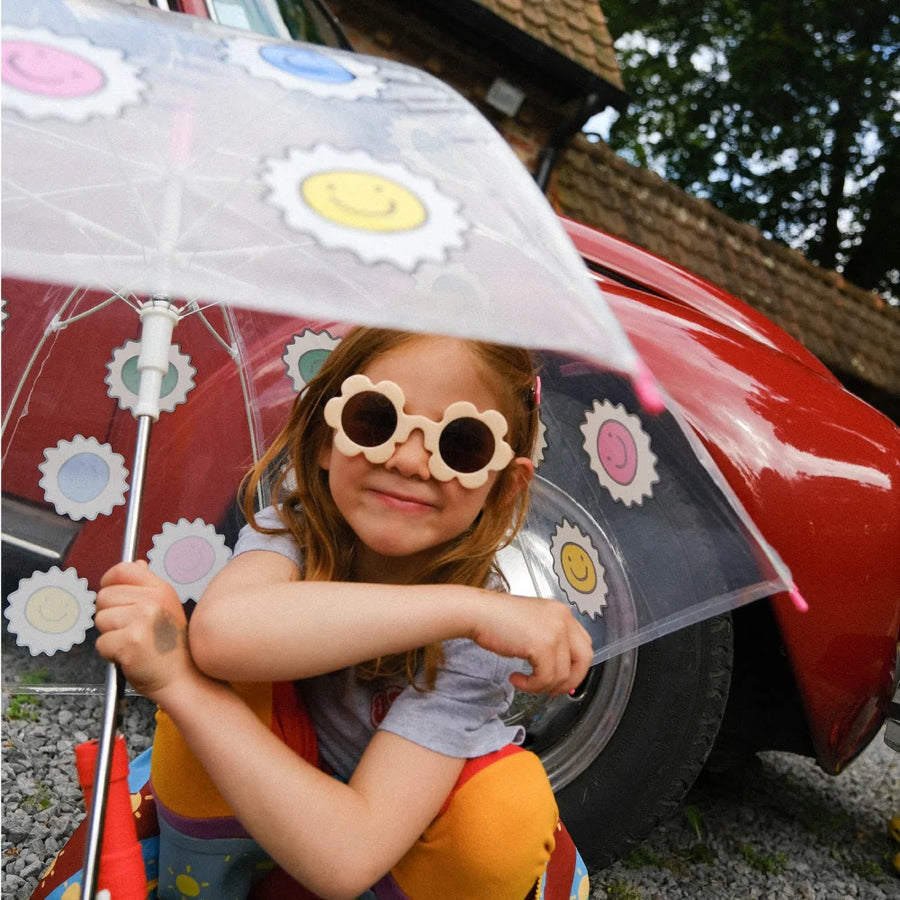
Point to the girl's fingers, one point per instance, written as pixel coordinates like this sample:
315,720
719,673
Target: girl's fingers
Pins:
562,666
135,573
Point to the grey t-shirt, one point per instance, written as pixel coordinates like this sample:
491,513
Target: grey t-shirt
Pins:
459,718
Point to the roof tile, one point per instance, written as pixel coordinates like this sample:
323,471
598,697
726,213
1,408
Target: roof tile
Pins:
559,23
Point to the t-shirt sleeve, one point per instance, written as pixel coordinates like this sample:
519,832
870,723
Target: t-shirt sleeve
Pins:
461,716
251,539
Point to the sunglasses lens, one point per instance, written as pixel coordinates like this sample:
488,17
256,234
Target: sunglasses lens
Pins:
369,419
466,445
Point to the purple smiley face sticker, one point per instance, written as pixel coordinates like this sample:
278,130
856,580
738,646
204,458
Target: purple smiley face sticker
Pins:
617,451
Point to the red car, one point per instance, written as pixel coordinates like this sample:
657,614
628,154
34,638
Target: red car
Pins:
816,468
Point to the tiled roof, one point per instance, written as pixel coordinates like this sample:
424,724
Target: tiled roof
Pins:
852,331
575,28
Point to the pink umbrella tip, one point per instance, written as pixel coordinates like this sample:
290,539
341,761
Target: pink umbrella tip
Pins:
646,389
798,600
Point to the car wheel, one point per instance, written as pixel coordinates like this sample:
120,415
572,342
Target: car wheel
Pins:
624,750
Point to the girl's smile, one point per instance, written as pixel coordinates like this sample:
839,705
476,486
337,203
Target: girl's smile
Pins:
402,500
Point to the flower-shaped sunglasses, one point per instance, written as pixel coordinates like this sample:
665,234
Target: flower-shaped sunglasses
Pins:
465,444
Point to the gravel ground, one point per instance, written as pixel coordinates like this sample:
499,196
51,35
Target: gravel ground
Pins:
784,830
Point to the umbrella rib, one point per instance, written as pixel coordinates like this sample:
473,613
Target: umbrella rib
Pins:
77,221
50,329
195,309
245,390
58,324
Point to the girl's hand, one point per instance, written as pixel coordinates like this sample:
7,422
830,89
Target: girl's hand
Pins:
143,628
543,632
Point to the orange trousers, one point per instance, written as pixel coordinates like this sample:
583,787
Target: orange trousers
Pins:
492,839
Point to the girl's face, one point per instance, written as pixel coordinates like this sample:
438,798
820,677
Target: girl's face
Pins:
397,509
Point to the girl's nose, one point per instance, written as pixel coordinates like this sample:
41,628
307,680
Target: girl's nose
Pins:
410,458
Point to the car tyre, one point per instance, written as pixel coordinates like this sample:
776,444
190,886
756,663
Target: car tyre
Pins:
622,753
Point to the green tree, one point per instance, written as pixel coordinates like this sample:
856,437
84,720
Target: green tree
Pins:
783,113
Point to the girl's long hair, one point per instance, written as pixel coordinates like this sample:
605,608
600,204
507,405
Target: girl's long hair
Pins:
299,485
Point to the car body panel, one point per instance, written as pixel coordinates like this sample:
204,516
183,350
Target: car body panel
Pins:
818,471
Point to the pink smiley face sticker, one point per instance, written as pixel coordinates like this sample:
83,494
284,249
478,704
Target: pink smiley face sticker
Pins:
617,451
37,68
189,559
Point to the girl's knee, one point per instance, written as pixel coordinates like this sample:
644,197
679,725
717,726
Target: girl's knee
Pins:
493,838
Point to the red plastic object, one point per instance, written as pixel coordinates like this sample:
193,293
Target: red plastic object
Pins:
121,861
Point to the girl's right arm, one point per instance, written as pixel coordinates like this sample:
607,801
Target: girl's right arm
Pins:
258,622
336,838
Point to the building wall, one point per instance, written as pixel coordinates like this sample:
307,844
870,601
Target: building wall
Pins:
387,29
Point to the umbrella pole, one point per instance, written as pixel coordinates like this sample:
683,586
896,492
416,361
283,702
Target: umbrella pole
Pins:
114,689
158,318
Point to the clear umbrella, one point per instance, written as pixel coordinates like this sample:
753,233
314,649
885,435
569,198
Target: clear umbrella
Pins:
193,173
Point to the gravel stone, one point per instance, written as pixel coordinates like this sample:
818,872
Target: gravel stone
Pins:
778,830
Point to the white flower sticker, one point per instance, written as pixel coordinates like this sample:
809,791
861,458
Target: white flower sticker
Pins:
124,379
381,212
619,452
83,478
540,444
188,555
51,611
305,354
315,71
46,75
579,572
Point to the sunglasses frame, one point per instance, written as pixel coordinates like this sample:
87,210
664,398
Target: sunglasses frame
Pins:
430,428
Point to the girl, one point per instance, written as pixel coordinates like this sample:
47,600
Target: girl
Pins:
372,585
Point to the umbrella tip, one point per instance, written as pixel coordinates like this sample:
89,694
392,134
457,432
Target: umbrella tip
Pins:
646,389
798,600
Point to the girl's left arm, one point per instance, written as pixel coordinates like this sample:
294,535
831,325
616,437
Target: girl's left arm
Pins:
258,622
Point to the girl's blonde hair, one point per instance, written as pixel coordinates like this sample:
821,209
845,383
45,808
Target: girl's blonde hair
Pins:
291,470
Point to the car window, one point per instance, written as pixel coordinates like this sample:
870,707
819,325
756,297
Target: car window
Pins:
300,20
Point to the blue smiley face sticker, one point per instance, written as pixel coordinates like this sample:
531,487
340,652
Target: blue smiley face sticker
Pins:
325,75
306,64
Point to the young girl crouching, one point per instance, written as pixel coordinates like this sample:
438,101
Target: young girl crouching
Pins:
337,709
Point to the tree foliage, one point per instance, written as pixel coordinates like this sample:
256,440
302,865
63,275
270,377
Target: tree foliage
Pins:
783,113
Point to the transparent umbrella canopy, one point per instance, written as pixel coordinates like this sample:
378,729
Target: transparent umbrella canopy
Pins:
163,176
150,155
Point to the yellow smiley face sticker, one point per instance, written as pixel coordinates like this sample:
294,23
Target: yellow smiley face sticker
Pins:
579,571
578,567
363,200
52,610
379,211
